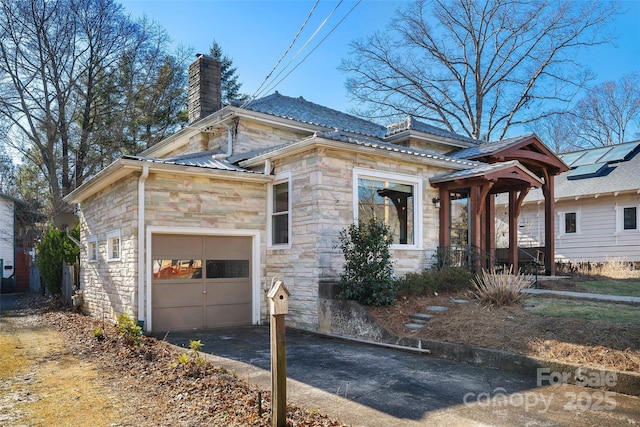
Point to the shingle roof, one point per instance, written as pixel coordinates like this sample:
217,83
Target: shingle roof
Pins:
412,124
301,110
622,176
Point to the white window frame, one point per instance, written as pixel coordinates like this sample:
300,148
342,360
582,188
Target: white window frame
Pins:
279,179
620,219
92,249
111,236
562,222
415,182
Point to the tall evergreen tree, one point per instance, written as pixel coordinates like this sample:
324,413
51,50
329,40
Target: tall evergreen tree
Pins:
230,87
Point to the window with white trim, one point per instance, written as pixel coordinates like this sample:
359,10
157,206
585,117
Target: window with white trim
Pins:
113,246
570,222
279,211
392,198
627,219
92,249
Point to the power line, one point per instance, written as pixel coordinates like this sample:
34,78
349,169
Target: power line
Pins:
268,88
316,46
284,54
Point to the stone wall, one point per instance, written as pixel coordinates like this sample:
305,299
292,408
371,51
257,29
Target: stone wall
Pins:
109,287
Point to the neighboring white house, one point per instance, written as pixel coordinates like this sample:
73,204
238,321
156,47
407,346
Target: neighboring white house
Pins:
190,233
597,211
7,235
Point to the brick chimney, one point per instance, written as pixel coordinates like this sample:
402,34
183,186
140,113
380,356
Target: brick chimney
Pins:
204,87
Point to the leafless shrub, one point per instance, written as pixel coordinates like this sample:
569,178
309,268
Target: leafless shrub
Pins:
495,288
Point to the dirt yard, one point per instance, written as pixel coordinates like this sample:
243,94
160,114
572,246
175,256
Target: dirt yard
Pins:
55,372
590,343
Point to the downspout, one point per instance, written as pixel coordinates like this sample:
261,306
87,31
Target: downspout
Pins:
141,247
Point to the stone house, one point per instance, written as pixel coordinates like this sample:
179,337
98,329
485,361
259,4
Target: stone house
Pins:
189,233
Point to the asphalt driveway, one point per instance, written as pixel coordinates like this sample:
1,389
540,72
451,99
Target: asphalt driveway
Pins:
368,385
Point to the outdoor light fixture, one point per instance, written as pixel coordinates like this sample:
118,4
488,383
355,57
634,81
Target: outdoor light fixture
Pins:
436,202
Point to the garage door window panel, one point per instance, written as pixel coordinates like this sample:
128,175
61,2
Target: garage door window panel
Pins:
227,269
177,269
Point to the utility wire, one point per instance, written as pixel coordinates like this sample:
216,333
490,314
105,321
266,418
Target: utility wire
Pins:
283,55
316,46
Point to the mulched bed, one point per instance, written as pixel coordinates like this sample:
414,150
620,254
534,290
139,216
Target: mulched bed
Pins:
589,343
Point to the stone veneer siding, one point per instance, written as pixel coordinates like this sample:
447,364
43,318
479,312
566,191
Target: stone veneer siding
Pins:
322,195
109,287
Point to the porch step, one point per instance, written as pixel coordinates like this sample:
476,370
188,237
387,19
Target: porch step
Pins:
437,308
414,326
421,317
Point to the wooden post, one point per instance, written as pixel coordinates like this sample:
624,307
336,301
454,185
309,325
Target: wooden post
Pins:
278,306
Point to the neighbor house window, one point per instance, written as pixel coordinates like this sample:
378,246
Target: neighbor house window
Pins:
630,218
279,209
570,222
627,219
113,246
393,199
92,249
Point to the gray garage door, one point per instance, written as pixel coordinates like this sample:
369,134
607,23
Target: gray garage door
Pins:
200,282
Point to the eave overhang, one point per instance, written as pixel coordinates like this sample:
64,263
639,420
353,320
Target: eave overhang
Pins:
361,146
505,176
124,167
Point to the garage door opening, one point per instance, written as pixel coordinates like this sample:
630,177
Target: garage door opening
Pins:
200,282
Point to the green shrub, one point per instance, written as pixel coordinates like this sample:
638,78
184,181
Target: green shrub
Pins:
54,250
129,330
444,279
367,275
500,288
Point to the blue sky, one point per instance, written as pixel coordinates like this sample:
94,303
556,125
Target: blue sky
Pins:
256,33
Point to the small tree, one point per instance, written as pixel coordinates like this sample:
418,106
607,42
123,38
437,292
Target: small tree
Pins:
54,249
367,275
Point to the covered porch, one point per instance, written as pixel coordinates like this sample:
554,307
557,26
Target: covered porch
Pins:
512,166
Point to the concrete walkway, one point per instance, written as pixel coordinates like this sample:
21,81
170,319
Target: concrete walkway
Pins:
585,295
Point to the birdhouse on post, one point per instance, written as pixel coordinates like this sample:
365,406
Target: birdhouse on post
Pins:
278,306
278,298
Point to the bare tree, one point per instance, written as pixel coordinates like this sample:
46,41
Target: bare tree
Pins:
476,67
556,131
73,75
608,114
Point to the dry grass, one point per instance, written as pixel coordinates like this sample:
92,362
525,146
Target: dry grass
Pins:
614,268
497,289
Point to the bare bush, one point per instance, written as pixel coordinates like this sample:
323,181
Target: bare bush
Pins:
495,288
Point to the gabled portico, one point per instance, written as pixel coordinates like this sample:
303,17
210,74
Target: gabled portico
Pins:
511,166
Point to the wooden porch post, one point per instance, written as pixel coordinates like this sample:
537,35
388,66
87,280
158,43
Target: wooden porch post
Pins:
475,224
513,229
490,225
549,224
445,218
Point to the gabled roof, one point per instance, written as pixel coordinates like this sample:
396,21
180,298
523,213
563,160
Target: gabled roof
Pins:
506,172
301,110
527,149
